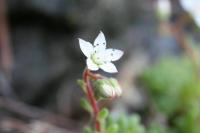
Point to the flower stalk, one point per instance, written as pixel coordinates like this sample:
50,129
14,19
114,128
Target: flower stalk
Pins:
87,75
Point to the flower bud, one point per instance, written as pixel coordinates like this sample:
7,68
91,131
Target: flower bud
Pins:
107,88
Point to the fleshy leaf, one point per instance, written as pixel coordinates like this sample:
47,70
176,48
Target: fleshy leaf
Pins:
81,83
112,128
85,104
87,130
103,114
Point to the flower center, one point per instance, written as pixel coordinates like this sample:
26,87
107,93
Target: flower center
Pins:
97,59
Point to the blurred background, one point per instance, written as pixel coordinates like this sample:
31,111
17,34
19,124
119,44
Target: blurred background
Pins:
40,61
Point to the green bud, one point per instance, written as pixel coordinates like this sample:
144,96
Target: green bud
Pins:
116,86
107,88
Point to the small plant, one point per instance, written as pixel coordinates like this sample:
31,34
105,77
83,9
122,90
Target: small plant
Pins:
174,88
96,86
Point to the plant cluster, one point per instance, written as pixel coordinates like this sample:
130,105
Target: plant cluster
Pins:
174,88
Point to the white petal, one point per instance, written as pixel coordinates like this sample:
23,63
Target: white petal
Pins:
188,5
100,42
108,91
118,91
108,67
113,54
164,7
86,47
91,65
197,19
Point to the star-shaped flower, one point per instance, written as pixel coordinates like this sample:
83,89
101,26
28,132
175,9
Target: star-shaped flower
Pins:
192,7
98,56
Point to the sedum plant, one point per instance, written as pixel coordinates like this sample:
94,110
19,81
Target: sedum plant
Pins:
122,124
160,81
96,86
174,88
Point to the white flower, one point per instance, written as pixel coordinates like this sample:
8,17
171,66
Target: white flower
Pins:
98,56
193,7
164,8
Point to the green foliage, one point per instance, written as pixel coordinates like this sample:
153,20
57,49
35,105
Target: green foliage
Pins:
85,104
113,128
167,81
102,117
155,127
81,83
123,124
174,87
87,130
103,114
130,124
